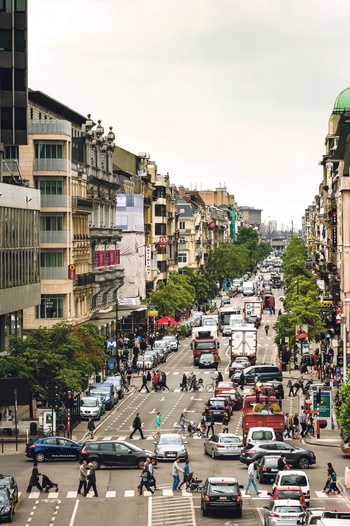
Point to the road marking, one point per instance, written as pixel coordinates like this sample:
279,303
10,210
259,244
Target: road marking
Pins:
110,494
71,495
129,493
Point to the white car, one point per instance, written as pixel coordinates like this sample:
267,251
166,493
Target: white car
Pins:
90,406
172,342
226,330
146,361
294,477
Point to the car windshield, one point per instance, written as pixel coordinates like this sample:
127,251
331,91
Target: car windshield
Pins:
89,402
289,494
223,487
217,403
271,462
100,390
262,435
5,482
230,440
288,509
3,496
159,345
174,440
207,356
293,480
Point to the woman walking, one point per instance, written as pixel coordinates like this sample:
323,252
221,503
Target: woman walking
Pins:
182,430
158,423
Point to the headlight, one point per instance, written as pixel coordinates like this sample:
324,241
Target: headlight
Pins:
7,509
108,398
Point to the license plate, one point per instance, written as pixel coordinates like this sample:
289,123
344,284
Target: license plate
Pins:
231,447
216,412
222,498
171,455
273,470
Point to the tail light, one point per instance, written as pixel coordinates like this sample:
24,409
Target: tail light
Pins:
251,451
206,498
207,407
32,446
264,468
274,514
239,498
220,445
226,407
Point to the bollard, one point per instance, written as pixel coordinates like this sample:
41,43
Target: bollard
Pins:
318,428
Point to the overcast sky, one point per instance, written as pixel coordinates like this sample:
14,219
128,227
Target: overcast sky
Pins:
218,92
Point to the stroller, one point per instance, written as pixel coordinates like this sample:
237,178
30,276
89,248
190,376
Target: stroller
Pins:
47,484
193,429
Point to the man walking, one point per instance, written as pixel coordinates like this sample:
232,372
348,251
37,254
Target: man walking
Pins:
91,427
176,474
241,380
290,385
137,425
267,327
91,479
144,383
82,477
302,421
251,478
34,479
217,360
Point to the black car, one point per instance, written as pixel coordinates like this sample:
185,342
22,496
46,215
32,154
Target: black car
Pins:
206,360
218,407
10,483
295,456
115,453
53,448
221,494
266,468
7,504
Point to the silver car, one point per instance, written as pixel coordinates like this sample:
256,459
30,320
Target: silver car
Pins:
170,446
284,512
147,361
172,342
227,330
223,445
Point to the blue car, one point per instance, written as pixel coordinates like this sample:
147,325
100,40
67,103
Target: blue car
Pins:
53,448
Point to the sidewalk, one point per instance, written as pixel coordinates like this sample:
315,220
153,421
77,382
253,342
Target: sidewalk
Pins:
328,437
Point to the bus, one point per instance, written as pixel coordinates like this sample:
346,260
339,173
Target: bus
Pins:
225,313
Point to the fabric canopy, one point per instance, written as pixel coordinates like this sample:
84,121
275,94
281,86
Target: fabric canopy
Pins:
167,320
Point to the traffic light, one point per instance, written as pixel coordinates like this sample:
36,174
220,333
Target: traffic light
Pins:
318,396
53,396
70,400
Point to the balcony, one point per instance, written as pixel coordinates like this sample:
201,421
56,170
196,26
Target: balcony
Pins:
170,216
51,165
54,201
82,204
54,236
49,127
53,273
84,279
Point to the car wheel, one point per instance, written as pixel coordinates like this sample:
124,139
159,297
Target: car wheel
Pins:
205,451
140,463
10,516
204,512
213,454
303,463
40,457
95,462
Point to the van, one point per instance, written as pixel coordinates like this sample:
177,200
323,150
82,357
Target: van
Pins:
260,434
106,391
248,288
267,373
294,477
117,381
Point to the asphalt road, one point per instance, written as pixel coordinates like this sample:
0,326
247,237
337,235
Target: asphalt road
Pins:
118,501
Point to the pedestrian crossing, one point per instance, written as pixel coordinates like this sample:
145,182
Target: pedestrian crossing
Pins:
162,491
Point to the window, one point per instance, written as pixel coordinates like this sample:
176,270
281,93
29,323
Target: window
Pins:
50,186
11,152
20,6
160,229
51,223
51,259
160,210
182,257
5,6
6,40
51,306
20,44
182,241
48,150
181,225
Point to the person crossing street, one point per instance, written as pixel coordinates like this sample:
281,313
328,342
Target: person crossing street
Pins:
137,426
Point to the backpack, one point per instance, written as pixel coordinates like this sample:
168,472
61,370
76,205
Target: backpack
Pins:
334,476
149,377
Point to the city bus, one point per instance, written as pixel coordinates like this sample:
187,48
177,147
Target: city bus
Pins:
225,313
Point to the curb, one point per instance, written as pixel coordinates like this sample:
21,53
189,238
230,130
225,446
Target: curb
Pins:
321,443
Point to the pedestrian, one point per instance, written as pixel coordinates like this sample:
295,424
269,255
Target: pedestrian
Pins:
225,423
176,474
219,378
267,327
210,423
184,383
310,430
163,378
186,472
302,421
290,386
217,360
288,425
330,470
241,380
193,382
91,427
296,425
281,463
144,383
182,430
145,480
137,426
333,488
251,478
157,423
34,479
152,471
91,480
82,477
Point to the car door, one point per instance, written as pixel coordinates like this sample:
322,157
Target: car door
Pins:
288,451
213,440
67,448
50,447
107,454
124,455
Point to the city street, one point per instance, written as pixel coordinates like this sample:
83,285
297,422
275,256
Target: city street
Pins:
117,488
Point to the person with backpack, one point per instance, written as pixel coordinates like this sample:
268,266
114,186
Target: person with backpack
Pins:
329,476
332,487
145,480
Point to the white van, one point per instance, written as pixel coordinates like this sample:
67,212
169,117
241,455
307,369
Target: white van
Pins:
294,477
260,434
248,288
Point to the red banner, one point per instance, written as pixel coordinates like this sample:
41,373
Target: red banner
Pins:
71,272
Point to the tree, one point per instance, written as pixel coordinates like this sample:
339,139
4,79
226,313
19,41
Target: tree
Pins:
343,410
176,295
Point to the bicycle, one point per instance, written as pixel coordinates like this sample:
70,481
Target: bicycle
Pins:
211,387
198,385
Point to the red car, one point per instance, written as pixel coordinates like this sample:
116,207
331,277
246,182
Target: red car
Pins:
288,492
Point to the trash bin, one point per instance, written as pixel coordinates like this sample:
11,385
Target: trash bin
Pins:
33,429
347,477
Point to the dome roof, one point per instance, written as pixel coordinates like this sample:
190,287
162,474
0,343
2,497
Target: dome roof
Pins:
342,102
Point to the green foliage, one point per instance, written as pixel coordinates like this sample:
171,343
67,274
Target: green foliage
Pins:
65,355
176,295
343,411
228,260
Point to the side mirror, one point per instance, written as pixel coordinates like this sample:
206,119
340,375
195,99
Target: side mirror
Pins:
266,507
185,442
241,486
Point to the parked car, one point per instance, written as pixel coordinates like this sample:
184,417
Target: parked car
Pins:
172,341
288,492
7,504
90,406
164,347
53,448
266,468
218,407
107,391
295,456
145,361
10,483
206,361
221,493
223,445
156,356
169,446
294,477
284,513
115,453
